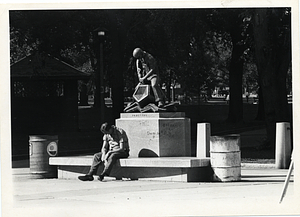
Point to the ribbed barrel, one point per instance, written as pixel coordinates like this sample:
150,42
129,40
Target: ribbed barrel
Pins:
41,147
225,158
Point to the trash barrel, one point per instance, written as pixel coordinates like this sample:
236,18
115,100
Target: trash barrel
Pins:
41,147
225,157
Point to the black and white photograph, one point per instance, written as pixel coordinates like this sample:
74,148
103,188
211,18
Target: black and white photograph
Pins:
174,108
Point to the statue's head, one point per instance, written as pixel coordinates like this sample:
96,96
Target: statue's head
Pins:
137,53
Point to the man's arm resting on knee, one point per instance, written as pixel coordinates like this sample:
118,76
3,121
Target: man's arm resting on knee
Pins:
120,149
104,150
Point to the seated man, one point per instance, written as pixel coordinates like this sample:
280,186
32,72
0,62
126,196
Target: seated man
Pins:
115,146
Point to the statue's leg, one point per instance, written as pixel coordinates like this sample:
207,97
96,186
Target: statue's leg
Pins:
157,91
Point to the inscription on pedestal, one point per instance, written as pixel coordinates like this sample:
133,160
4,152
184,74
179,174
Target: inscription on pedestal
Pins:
154,115
157,134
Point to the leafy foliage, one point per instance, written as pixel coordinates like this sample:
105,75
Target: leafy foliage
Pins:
193,46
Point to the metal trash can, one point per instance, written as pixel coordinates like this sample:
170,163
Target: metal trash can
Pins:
225,157
41,147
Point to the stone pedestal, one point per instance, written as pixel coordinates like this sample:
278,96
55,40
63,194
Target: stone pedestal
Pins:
182,169
203,140
283,147
166,134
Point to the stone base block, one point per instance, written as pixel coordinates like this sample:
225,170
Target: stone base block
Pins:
165,134
181,169
139,173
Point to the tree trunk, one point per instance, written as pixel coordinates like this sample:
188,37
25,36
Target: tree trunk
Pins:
236,78
116,68
273,56
119,25
261,110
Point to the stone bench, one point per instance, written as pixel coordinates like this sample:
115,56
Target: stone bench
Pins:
182,169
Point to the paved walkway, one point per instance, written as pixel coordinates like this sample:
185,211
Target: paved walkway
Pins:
257,194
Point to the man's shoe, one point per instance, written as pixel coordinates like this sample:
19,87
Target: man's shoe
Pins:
86,178
101,177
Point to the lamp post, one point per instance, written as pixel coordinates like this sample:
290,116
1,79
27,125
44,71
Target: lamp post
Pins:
101,33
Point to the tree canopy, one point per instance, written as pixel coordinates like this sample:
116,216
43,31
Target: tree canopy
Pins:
200,49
